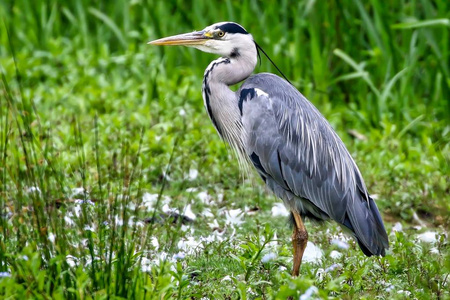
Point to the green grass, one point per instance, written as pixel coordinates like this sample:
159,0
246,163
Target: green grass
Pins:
99,131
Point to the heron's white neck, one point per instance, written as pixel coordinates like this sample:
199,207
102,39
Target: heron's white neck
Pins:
220,101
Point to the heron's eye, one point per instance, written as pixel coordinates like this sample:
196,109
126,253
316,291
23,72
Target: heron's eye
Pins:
220,34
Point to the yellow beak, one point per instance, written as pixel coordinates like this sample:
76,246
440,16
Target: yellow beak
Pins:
185,39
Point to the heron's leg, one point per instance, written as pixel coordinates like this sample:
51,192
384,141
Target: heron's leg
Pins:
299,241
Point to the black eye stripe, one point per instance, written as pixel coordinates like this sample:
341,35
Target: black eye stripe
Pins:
232,28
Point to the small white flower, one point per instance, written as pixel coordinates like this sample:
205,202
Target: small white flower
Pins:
71,260
234,217
341,244
5,274
312,253
166,209
146,264
333,267
427,237
226,278
179,256
77,191
434,250
51,237
149,199
335,254
34,189
309,293
273,244
81,202
193,173
204,197
131,206
279,210
155,242
118,220
89,228
214,224
397,227
189,245
219,197
268,257
207,213
407,293
390,288
68,219
188,212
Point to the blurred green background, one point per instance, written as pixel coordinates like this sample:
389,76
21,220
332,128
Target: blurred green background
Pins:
85,102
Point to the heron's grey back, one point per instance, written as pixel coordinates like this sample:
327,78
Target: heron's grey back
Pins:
304,162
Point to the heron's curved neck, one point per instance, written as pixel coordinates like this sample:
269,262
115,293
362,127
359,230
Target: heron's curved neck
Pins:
220,101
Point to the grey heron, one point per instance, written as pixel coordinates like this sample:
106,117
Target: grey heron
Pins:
294,149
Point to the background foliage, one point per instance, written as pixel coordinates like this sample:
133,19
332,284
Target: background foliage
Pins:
93,121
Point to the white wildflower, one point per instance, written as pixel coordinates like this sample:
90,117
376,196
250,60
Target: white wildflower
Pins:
204,197
71,260
68,219
427,237
407,293
146,264
269,257
51,237
189,245
34,189
335,254
193,173
214,224
179,256
434,250
309,293
279,210
188,212
312,253
340,244
333,267
234,217
155,242
77,191
89,228
390,288
207,213
397,227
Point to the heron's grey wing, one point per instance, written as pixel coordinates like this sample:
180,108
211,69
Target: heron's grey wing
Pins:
303,161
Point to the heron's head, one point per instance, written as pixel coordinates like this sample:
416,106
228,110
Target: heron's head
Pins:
226,39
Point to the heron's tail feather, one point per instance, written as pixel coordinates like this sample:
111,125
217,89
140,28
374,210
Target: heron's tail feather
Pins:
364,220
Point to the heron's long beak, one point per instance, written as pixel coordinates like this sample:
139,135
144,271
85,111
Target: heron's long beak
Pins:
185,39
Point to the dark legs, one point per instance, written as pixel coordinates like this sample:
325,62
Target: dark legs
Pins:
299,241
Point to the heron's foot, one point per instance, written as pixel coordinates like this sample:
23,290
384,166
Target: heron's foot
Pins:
299,241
